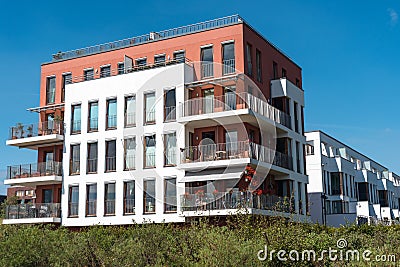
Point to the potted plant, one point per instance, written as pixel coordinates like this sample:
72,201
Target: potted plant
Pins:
30,130
20,129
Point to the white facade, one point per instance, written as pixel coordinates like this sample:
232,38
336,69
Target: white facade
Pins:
353,185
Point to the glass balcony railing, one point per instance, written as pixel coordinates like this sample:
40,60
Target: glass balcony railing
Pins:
34,170
31,211
36,129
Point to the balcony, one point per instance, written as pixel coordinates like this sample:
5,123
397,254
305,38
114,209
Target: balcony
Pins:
234,104
33,213
35,135
228,66
31,175
233,151
207,69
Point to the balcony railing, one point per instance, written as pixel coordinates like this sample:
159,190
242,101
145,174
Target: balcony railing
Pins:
91,208
93,124
150,116
150,160
207,69
130,119
170,113
74,167
34,170
110,164
130,163
31,211
228,66
73,209
235,200
111,122
151,37
92,165
38,129
109,207
235,150
232,101
129,206
170,204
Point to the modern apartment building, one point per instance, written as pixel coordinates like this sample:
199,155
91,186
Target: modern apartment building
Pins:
347,186
200,120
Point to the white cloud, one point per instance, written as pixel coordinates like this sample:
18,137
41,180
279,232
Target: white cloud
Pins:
394,17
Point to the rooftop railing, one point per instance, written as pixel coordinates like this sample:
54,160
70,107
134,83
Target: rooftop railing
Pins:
34,170
150,37
36,129
31,211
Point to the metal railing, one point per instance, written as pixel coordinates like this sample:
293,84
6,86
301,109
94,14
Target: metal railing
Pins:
111,122
151,37
170,157
170,204
150,116
130,119
92,165
36,129
109,207
130,163
228,66
235,200
30,211
150,160
170,113
110,164
34,170
93,124
91,208
74,167
73,209
129,206
75,127
207,69
149,205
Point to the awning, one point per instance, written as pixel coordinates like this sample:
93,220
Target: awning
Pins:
48,107
212,177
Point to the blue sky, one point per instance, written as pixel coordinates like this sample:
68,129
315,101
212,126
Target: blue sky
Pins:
348,51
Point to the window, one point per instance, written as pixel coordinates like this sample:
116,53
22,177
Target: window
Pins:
111,114
129,197
149,200
249,60
284,73
121,68
296,119
88,74
170,149
258,65
150,102
76,119
51,90
228,58
159,59
275,69
150,151
140,62
208,100
73,201
92,158
309,149
297,82
47,195
206,57
231,145
302,119
93,119
91,199
298,157
336,183
29,193
66,79
19,193
75,159
109,199
337,207
130,153
169,105
179,56
130,111
230,98
110,155
105,71
170,195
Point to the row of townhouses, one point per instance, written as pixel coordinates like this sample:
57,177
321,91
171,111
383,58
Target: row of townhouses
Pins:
200,120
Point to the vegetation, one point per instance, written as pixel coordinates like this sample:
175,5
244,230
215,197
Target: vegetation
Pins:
201,243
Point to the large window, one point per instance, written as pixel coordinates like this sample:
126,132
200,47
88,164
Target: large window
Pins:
130,153
105,71
337,207
150,151
66,79
73,201
206,57
258,65
230,97
170,195
111,119
363,191
92,158
249,60
150,113
93,120
109,199
169,105
75,119
110,156
149,196
75,159
91,199
296,117
228,58
51,90
129,197
88,74
130,111
336,183
170,149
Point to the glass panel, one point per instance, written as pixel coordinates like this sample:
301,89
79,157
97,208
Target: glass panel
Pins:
120,68
230,98
73,200
47,196
170,149
75,159
109,198
249,60
130,153
105,71
170,105
51,90
76,118
231,143
130,111
150,101
111,113
92,158
228,51
88,75
141,62
129,197
91,199
179,56
208,101
170,195
93,116
206,57
149,200
150,148
159,59
110,155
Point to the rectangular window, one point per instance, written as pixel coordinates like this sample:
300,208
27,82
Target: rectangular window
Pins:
93,119
19,193
111,116
73,201
206,57
47,195
110,156
51,90
228,58
275,69
179,56
337,207
88,74
230,97
150,113
169,105
170,195
76,119
296,119
129,197
149,194
298,157
66,79
170,149
29,193
336,183
249,60
258,65
121,68
159,59
105,71
75,159
231,138
130,111
91,199
140,62
302,119
92,158
109,199
150,151
284,73
130,153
